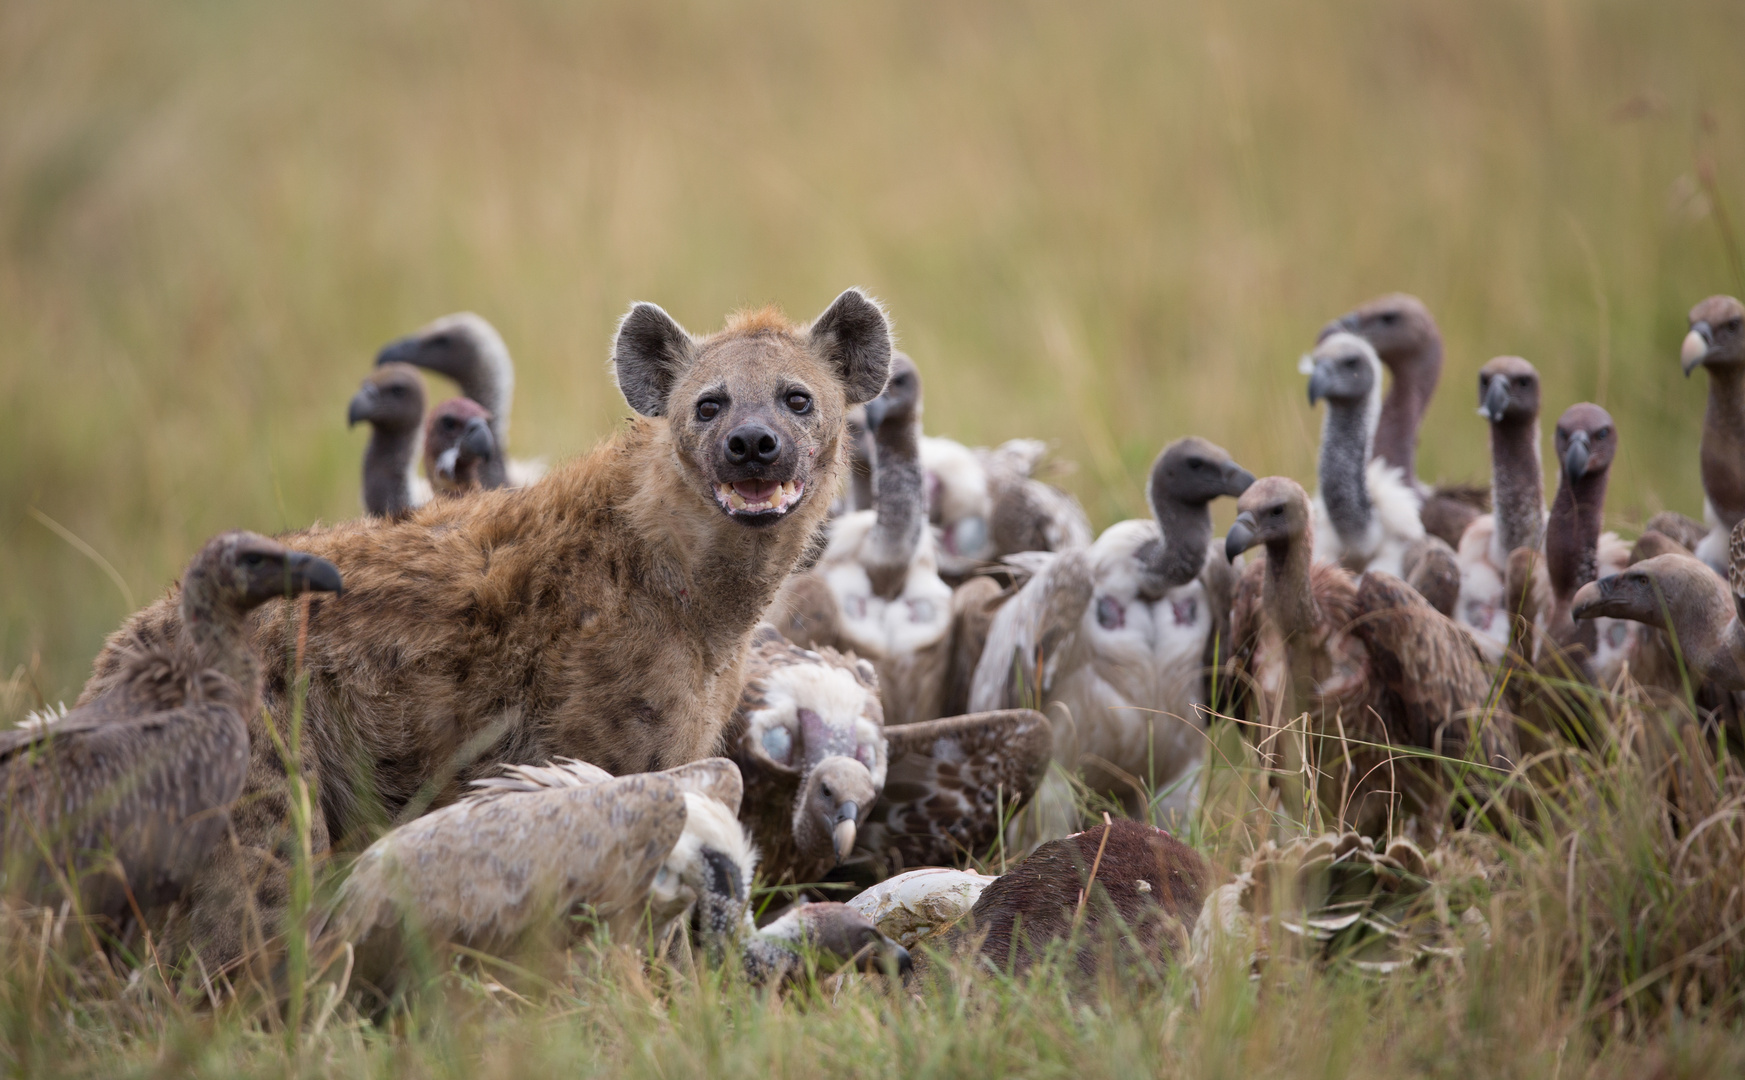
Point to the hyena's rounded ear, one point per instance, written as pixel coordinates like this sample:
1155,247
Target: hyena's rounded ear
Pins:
855,336
649,354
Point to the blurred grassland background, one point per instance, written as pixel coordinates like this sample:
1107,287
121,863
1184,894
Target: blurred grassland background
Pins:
1106,225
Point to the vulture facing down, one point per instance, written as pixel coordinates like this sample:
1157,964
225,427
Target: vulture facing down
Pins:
1365,658
827,783
504,867
132,790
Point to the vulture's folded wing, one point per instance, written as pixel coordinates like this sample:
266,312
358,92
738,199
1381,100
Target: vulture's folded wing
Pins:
953,783
1422,660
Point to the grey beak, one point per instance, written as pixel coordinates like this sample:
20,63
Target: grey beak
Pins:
843,830
1318,384
399,351
1495,400
310,573
1241,536
1237,480
363,403
1576,457
875,412
1696,345
476,441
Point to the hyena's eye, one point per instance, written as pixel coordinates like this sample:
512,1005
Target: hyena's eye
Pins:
707,409
801,404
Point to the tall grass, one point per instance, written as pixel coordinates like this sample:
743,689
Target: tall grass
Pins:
1104,225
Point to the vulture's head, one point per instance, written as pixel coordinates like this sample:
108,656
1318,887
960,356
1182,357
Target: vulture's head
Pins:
1586,441
462,346
836,936
1194,471
457,439
1273,511
817,716
237,571
709,871
1650,591
1344,369
1717,335
1508,390
1398,325
391,400
899,403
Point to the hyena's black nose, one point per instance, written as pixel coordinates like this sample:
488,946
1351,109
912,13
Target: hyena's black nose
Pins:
753,443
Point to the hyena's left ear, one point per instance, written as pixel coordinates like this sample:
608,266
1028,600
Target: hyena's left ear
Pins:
649,354
856,337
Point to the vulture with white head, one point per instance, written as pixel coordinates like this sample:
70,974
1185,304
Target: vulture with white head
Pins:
1121,636
469,350
1365,658
1366,512
391,401
132,790
1406,339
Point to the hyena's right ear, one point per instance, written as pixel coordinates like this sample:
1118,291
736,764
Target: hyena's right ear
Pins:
649,354
856,337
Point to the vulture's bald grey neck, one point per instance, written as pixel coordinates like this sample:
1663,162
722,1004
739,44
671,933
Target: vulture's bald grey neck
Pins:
1572,534
1723,446
899,503
1180,556
389,461
1415,377
1517,483
1346,437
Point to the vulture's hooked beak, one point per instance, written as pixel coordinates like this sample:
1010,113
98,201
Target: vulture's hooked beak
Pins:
363,405
399,351
1241,536
843,832
875,412
476,441
1496,399
1318,381
1696,346
310,573
1576,457
1236,480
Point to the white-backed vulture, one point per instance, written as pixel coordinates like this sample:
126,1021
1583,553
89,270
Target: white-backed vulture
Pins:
1366,512
391,401
458,447
469,350
1119,636
1681,594
1716,343
876,590
1577,551
131,791
1365,660
824,776
1407,340
1508,395
506,866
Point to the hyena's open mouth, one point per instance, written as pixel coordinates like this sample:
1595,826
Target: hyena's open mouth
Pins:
758,501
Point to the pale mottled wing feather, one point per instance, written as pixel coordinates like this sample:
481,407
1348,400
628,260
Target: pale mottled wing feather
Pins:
485,868
1038,620
952,782
1433,570
1420,659
714,778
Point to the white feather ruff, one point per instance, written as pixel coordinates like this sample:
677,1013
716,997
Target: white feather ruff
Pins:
876,628
1394,525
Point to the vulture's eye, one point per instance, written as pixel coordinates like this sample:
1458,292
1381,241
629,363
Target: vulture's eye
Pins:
1603,433
1388,318
1523,380
707,409
253,558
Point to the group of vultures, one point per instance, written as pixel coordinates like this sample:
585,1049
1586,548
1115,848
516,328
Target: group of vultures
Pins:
769,676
